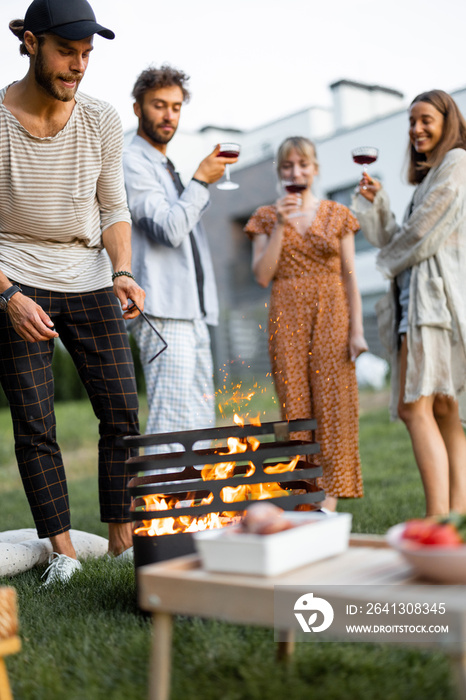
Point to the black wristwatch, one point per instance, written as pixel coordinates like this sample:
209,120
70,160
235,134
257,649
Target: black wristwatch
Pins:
201,182
6,296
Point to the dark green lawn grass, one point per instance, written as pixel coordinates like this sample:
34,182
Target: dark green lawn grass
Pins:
88,641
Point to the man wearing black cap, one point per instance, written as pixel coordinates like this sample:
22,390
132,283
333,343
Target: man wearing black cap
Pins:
64,229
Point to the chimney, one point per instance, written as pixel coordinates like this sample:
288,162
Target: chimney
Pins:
355,103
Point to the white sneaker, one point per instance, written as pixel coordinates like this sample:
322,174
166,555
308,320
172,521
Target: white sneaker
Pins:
127,555
61,569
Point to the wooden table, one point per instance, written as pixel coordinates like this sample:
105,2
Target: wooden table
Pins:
10,643
181,586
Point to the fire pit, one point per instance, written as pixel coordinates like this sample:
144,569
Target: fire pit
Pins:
216,485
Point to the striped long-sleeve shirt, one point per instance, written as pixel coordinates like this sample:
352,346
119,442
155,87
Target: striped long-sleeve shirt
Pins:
57,195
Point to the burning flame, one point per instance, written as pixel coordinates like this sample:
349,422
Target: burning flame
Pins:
229,494
225,470
282,467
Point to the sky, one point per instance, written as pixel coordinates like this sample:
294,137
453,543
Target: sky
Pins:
254,61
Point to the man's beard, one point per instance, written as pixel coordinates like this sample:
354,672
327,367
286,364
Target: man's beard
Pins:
150,130
45,79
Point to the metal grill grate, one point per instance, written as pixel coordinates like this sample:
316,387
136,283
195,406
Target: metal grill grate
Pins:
188,486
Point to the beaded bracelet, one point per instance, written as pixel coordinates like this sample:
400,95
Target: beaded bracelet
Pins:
123,273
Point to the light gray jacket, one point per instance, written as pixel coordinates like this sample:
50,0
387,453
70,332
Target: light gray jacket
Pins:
431,241
163,262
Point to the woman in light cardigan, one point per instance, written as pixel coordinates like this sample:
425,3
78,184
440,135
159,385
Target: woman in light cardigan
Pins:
422,321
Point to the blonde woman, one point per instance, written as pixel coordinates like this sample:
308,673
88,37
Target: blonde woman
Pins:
305,247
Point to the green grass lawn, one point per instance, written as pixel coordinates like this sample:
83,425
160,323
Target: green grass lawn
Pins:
90,642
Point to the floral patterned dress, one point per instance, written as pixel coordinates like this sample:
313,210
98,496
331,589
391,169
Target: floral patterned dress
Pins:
308,340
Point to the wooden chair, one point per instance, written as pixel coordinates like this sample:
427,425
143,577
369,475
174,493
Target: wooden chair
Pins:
10,643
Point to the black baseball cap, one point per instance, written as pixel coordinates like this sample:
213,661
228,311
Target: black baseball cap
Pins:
70,19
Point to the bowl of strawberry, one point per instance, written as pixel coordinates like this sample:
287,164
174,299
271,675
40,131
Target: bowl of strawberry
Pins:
435,547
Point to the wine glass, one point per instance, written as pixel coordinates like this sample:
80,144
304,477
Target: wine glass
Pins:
293,187
365,155
228,150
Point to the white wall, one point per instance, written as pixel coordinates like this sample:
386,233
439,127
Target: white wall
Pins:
188,148
356,103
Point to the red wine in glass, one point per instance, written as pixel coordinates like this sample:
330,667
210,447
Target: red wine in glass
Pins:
364,155
364,160
228,150
228,154
295,187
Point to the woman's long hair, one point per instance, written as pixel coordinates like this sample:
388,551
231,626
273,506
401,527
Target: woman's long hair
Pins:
453,135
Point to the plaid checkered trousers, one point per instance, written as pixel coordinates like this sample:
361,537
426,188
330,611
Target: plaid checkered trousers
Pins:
91,327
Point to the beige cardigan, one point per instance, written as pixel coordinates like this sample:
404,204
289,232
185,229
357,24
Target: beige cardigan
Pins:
432,241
